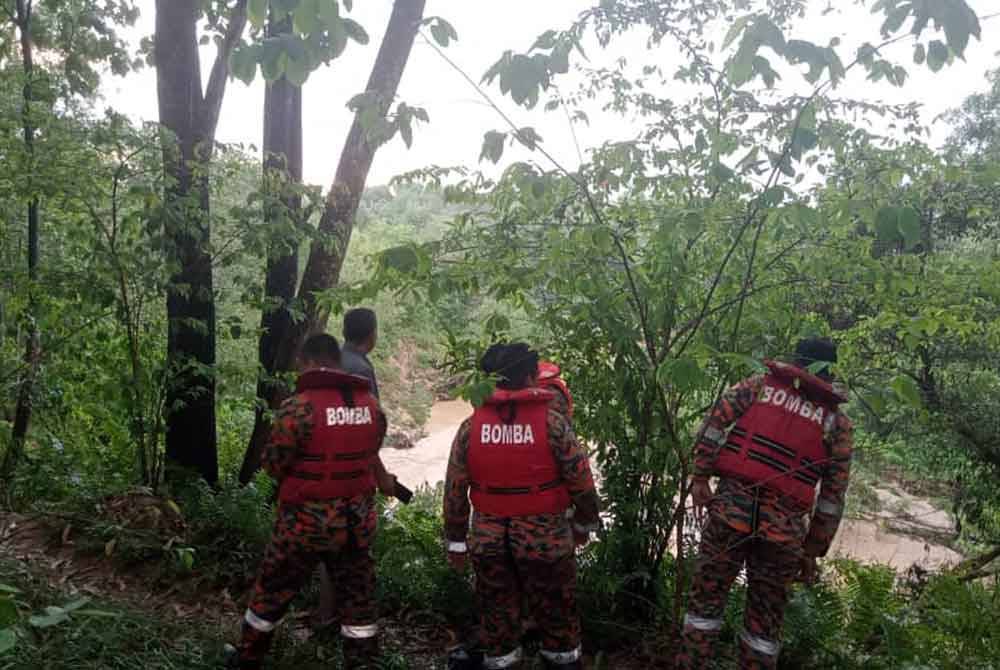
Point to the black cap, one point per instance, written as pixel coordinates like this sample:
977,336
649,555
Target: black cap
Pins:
513,363
814,350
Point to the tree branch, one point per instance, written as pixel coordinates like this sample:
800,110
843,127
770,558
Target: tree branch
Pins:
216,90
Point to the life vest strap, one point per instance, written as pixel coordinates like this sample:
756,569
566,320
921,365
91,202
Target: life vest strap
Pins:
317,477
515,490
342,456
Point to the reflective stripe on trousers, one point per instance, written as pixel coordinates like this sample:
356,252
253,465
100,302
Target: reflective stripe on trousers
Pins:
701,623
828,508
498,662
258,624
760,644
562,657
359,632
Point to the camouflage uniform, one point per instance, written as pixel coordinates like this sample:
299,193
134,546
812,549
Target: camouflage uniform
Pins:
524,561
337,533
769,532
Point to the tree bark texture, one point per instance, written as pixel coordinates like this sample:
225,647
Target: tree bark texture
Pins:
326,254
282,168
189,119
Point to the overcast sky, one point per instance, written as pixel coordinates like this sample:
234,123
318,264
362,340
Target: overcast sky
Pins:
487,28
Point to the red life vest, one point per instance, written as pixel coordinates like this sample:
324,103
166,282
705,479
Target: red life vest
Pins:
548,377
337,461
512,471
779,443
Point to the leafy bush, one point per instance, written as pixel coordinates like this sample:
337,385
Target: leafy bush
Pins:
410,562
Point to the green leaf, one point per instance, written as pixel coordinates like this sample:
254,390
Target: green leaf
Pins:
406,131
53,617
875,401
493,145
7,588
684,374
958,27
297,71
442,31
739,71
722,172
307,17
528,137
755,366
908,391
98,614
908,224
803,140
272,59
895,20
355,31
937,55
818,366
8,640
8,612
257,12
329,12
75,605
545,41
243,63
478,392
807,118
887,224
735,30
402,259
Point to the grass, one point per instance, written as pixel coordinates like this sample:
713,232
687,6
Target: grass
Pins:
110,637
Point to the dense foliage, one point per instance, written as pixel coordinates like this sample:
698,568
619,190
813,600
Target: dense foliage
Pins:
754,205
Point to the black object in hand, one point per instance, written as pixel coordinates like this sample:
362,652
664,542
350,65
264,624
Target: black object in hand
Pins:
402,494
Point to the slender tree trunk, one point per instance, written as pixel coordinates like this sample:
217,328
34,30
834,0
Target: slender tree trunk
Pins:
326,255
189,118
22,413
282,176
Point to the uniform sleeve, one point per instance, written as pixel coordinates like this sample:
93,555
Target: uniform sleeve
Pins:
559,402
833,487
456,491
381,473
292,427
733,404
574,468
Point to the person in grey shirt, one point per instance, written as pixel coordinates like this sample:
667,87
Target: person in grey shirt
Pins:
360,336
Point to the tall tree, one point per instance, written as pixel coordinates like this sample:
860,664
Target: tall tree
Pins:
22,415
75,36
326,256
282,176
190,114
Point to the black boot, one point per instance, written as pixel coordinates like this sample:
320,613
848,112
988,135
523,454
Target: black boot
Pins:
461,658
572,665
360,654
231,660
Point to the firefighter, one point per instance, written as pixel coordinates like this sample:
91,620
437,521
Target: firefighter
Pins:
534,498
360,336
322,452
771,440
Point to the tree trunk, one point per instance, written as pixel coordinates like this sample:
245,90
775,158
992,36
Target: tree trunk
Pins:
326,255
190,119
25,393
282,175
